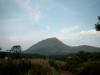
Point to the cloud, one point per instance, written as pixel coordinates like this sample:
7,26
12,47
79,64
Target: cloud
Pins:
67,32
74,36
89,32
90,37
34,12
69,29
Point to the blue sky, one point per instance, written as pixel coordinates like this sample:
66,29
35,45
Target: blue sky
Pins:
26,22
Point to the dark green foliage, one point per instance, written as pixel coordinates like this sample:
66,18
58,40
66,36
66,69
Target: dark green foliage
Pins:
76,63
3,54
97,26
53,64
16,67
16,49
92,68
72,64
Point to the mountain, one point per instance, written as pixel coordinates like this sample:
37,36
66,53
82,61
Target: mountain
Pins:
49,46
53,46
86,48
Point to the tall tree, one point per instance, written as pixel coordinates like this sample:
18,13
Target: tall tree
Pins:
0,49
97,26
16,51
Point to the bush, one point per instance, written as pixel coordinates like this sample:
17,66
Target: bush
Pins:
26,67
41,67
90,68
14,67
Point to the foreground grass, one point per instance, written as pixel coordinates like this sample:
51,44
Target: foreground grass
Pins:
48,67
26,67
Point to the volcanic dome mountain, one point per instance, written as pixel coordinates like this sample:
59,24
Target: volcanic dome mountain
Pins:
53,46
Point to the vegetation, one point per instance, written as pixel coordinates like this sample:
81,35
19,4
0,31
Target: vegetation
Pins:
26,67
97,26
18,63
81,63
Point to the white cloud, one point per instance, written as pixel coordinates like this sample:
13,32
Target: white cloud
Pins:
72,36
69,29
67,32
90,37
34,12
89,32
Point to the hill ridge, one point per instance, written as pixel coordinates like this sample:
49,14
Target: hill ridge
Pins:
52,46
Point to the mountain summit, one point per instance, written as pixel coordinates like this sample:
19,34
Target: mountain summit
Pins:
48,47
53,46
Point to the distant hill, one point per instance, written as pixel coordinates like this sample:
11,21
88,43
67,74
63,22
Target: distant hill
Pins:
53,46
86,48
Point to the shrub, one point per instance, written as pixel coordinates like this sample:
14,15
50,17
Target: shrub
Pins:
90,68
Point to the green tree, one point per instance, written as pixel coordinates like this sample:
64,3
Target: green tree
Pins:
16,51
97,26
0,49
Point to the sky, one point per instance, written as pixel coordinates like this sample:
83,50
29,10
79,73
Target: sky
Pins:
26,22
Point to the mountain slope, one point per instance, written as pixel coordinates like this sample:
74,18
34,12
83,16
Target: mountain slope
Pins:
53,46
49,46
86,48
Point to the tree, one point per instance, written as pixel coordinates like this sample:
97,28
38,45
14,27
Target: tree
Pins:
97,26
16,51
0,49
